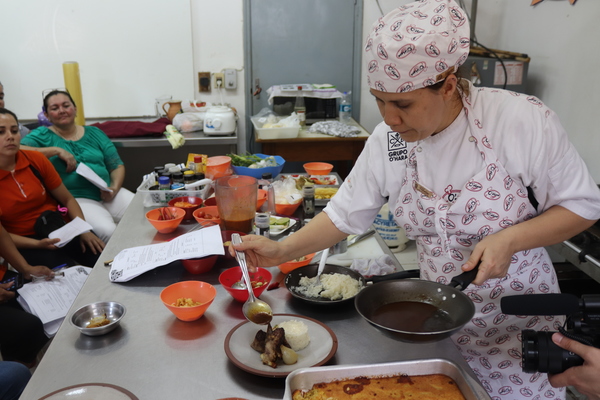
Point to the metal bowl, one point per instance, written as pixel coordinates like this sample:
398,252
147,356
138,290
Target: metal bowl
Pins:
114,312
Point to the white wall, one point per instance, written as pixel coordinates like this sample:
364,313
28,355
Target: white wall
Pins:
561,40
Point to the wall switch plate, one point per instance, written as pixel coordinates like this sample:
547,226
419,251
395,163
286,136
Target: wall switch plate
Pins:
219,77
204,81
230,78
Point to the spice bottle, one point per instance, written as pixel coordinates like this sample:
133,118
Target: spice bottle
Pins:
300,108
308,202
177,180
189,177
262,222
164,183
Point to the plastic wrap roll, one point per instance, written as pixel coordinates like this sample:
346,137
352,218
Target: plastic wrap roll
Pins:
73,85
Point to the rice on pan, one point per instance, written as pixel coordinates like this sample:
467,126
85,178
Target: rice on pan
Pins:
333,286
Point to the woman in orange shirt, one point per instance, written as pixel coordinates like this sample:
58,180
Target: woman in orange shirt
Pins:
26,196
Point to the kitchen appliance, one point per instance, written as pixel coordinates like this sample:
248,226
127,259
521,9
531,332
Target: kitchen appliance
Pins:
317,109
219,120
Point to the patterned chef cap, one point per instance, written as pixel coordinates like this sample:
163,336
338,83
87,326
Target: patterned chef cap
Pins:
416,45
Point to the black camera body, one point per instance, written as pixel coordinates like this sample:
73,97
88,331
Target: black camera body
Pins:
539,353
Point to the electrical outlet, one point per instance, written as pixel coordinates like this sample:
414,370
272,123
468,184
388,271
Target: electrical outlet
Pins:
219,80
204,81
230,78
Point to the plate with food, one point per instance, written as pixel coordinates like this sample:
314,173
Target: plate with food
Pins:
318,180
251,347
278,225
324,194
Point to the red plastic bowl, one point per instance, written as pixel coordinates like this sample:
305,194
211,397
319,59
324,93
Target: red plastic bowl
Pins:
189,211
226,236
287,209
199,265
260,198
211,201
202,292
165,226
212,210
234,274
318,168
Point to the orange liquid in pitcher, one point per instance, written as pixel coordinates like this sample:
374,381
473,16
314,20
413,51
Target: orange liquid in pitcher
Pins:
244,225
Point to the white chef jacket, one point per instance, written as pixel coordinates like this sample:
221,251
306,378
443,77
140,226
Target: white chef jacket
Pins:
527,138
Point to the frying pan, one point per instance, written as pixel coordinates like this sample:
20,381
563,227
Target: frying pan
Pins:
292,280
456,307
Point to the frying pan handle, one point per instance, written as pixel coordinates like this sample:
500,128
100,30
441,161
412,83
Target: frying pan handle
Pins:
463,280
411,273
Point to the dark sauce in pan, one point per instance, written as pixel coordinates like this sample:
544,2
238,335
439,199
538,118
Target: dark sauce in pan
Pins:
412,316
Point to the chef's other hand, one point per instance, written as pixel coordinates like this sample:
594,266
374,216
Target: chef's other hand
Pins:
495,255
5,294
90,241
583,377
68,158
47,243
260,251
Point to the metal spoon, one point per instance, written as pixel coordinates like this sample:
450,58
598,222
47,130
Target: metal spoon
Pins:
254,310
322,263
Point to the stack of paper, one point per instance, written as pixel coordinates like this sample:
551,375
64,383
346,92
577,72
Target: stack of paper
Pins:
50,300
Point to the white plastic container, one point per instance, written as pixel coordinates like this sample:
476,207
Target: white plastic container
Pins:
274,133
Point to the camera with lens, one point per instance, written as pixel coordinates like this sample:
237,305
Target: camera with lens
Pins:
582,323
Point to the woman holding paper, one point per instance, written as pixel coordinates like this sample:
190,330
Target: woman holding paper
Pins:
88,145
31,186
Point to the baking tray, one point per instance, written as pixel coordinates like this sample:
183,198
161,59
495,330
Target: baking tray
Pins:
305,378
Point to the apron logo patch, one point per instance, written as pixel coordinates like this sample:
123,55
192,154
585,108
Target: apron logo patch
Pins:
396,147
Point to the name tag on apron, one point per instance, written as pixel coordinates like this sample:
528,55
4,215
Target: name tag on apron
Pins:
423,190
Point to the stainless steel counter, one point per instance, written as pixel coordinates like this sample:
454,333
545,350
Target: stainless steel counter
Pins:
156,356
196,138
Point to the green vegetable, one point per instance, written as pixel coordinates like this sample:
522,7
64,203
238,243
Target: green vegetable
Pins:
244,160
278,221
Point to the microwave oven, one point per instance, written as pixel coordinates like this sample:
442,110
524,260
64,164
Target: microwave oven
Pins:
317,109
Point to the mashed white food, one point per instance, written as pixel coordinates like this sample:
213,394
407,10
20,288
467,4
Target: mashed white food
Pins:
296,333
333,287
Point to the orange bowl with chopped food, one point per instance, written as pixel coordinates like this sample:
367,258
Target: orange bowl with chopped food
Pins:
188,300
260,280
292,265
187,203
207,216
165,219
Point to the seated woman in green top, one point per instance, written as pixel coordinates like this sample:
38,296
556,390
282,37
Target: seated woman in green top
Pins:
66,145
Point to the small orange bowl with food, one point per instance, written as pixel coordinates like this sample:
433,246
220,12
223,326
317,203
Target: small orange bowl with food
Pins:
260,280
287,209
318,168
165,219
188,300
207,216
187,203
199,265
297,263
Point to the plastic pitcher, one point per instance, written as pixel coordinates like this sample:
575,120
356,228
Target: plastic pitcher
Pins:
236,201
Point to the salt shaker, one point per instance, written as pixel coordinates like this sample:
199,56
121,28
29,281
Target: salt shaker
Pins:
262,222
308,202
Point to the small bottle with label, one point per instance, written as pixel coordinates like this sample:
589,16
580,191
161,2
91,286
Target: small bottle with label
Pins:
262,222
308,202
164,183
189,177
177,181
300,108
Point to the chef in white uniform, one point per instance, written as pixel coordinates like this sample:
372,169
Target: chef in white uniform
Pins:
455,163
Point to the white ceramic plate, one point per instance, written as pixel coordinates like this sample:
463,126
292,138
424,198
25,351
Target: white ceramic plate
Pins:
323,345
91,391
279,229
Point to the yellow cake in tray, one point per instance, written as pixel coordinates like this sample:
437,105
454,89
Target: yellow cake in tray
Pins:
422,387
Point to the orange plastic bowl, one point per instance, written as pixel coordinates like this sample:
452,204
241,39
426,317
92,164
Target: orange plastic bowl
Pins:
287,209
292,265
211,201
318,168
165,226
199,265
226,236
201,214
198,291
195,201
234,274
260,198
217,166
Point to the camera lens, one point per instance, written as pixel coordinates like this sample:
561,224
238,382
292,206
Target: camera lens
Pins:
541,354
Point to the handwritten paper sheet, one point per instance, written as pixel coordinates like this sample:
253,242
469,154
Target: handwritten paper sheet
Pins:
93,177
51,300
70,231
134,261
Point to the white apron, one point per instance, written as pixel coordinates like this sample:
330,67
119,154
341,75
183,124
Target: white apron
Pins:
447,230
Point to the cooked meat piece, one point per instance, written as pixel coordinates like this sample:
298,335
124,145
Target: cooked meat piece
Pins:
273,343
259,341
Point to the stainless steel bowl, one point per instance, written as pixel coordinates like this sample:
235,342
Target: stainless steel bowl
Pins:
114,312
